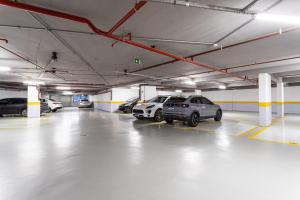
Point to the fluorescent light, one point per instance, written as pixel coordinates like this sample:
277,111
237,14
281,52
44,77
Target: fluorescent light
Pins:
135,88
190,82
67,93
34,82
5,69
222,87
63,88
278,18
178,90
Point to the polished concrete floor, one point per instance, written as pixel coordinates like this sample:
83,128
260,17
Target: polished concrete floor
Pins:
93,155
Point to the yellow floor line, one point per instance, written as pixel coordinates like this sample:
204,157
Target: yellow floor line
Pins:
254,136
247,132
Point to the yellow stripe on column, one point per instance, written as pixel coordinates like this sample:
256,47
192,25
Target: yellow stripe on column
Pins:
265,104
37,103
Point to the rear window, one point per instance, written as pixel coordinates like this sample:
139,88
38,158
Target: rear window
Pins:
177,99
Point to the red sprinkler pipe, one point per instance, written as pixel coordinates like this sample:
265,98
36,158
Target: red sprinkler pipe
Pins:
109,35
127,16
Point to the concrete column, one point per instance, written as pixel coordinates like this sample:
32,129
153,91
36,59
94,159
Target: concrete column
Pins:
33,102
198,92
147,92
265,100
280,98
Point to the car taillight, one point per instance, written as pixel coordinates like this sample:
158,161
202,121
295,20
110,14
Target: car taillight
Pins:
185,105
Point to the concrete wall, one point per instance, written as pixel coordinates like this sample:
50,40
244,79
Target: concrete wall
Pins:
120,95
13,93
102,101
247,100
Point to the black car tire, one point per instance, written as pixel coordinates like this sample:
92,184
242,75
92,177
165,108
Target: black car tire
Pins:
194,120
158,116
24,112
218,116
169,121
54,110
139,118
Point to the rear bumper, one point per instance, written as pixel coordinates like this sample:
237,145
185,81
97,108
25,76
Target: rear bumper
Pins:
176,116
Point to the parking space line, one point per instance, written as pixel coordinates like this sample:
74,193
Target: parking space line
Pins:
247,132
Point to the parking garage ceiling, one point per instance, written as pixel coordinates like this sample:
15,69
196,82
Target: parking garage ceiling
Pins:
232,41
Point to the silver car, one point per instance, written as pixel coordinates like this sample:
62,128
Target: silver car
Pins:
191,109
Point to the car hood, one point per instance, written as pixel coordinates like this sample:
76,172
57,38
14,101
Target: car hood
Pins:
145,105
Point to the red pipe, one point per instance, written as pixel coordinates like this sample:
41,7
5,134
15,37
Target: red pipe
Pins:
108,35
127,16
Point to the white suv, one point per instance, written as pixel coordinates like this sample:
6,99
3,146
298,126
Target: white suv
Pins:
53,104
152,109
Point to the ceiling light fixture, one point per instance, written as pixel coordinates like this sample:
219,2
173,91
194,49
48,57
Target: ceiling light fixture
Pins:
34,82
190,82
63,88
67,93
222,87
178,91
5,69
278,18
135,88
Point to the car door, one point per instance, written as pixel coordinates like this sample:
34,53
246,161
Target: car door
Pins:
210,107
9,108
197,105
3,105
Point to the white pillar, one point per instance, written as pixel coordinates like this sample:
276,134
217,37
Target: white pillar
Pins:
198,92
265,100
147,92
33,102
280,98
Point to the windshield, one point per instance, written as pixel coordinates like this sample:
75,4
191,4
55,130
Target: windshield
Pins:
159,99
131,100
177,99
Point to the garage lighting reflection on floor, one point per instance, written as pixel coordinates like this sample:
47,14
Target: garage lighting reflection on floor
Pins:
84,154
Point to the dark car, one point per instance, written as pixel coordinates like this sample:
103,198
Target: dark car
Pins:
17,106
191,109
128,105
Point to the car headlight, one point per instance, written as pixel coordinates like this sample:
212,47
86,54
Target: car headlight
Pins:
150,107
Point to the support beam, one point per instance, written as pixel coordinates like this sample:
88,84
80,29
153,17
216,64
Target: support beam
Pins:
265,100
33,102
147,92
280,98
198,92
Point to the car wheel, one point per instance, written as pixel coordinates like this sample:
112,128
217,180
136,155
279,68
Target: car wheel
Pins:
24,112
218,116
54,110
139,118
194,120
169,121
158,117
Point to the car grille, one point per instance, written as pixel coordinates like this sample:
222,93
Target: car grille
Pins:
138,111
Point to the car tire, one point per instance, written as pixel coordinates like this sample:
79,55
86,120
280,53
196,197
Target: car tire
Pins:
158,116
24,112
194,120
139,118
218,116
54,110
169,121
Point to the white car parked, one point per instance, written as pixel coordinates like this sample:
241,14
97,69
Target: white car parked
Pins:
53,104
152,109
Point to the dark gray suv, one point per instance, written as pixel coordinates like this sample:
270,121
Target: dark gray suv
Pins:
191,109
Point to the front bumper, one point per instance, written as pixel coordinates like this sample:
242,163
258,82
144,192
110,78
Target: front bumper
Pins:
142,113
